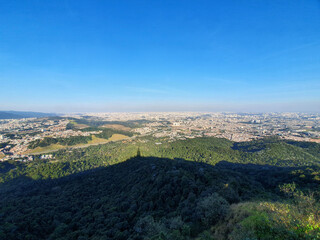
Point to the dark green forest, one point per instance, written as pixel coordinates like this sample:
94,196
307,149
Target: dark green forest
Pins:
202,188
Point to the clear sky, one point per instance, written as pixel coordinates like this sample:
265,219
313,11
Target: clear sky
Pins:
80,56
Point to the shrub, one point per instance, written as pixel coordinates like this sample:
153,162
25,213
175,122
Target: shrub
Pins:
212,209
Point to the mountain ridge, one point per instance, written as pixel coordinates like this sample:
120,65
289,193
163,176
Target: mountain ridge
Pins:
24,114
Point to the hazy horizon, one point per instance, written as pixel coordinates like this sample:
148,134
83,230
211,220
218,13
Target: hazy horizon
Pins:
249,108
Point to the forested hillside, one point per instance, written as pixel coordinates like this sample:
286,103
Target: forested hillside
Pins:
155,198
269,151
203,188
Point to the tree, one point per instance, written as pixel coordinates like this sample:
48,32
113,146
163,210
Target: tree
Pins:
212,209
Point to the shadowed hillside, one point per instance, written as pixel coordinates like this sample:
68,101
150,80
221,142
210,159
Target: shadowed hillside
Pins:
209,150
152,198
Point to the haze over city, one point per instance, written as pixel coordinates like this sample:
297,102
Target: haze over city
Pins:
117,56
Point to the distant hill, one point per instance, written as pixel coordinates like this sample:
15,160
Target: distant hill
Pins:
19,114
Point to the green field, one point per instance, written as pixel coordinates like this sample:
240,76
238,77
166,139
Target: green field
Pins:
95,141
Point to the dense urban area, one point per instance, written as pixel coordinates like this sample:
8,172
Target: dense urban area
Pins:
17,134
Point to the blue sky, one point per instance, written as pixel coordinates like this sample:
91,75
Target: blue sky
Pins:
80,56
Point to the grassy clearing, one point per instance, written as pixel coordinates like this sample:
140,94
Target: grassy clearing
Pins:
95,141
117,137
50,148
79,125
117,127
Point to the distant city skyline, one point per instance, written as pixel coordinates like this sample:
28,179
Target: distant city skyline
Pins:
144,56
